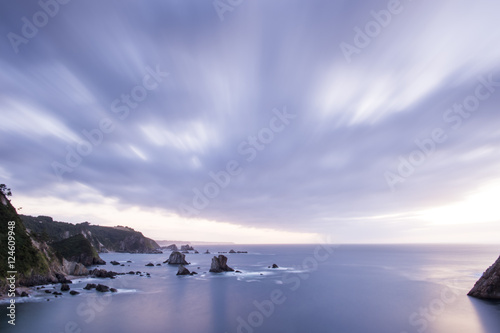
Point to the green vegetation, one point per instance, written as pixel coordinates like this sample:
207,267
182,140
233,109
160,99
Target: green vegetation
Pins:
28,259
75,247
117,239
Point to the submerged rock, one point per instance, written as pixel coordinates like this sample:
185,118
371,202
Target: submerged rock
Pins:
488,286
275,266
114,263
177,258
73,292
219,264
150,264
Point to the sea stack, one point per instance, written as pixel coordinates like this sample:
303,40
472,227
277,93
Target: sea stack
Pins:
177,258
488,286
219,264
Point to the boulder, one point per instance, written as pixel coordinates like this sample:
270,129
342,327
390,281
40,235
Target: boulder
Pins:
219,264
73,292
488,286
113,290
150,264
24,294
177,258
62,279
275,266
87,287
64,287
207,252
114,263
232,251
102,273
183,271
102,288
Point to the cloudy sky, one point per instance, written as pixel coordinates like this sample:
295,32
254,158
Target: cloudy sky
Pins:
255,121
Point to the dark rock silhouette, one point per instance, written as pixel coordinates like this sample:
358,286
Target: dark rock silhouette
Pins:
187,247
64,287
275,266
88,286
102,273
183,271
177,258
73,292
102,288
114,263
219,264
488,286
232,251
150,264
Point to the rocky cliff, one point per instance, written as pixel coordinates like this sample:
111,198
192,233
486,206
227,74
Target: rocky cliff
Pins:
35,261
488,286
103,239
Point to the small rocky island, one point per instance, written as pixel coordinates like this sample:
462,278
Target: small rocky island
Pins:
177,258
219,264
488,286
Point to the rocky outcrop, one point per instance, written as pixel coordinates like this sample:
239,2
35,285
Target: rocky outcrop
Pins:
219,264
177,258
183,271
78,249
172,247
102,288
65,287
74,268
488,286
187,247
102,273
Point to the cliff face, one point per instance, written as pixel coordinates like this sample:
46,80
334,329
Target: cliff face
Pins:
103,239
488,286
78,249
35,262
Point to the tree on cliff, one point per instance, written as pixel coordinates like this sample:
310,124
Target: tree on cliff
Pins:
6,191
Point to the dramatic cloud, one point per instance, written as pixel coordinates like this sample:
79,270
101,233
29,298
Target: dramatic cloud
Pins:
364,120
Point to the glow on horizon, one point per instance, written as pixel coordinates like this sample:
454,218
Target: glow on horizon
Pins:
155,223
479,207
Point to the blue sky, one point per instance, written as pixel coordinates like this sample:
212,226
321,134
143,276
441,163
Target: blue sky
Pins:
255,121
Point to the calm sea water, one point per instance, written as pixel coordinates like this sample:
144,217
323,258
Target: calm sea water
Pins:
344,289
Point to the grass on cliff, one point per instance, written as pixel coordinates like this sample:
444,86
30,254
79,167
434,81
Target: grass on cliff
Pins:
74,246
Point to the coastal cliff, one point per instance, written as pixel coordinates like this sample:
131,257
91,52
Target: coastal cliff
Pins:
488,286
103,239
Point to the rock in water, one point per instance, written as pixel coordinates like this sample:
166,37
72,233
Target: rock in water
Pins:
177,258
72,292
64,287
488,286
219,264
183,271
275,266
102,288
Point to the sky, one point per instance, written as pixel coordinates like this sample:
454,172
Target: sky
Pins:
255,121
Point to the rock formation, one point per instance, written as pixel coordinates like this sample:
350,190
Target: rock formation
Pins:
102,288
64,287
219,264
186,247
488,286
183,271
177,258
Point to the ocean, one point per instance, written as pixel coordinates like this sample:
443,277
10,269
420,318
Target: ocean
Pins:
317,288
